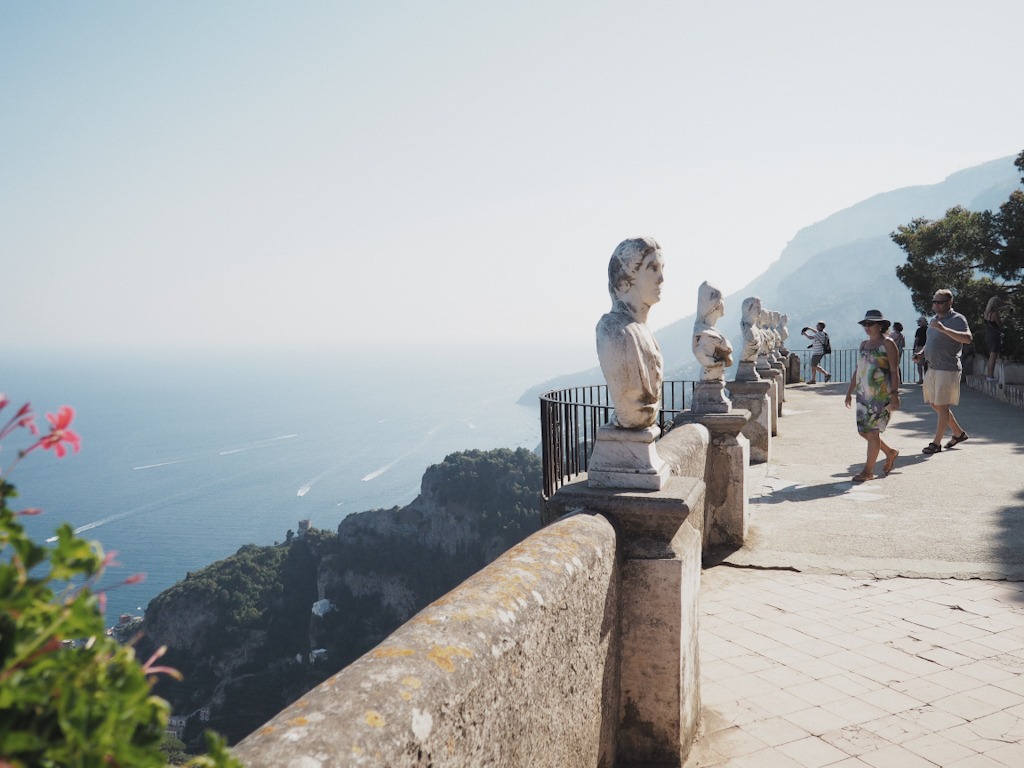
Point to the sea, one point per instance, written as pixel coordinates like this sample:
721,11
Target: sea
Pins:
187,456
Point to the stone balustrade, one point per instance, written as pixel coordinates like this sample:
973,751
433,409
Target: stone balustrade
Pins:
577,647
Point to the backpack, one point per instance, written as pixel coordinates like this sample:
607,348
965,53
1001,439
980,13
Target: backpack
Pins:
827,348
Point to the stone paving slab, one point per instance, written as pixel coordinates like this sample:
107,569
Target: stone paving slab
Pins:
810,670
872,626
959,512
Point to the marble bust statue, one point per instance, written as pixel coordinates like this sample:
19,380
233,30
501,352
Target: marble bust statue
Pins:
776,319
748,325
751,313
712,350
767,338
626,348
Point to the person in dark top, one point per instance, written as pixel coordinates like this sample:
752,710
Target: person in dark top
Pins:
920,337
993,335
948,331
897,336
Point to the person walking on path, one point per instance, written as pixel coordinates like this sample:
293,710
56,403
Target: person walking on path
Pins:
818,340
948,331
877,384
898,338
920,336
993,336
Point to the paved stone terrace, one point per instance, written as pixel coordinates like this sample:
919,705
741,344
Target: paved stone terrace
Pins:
816,651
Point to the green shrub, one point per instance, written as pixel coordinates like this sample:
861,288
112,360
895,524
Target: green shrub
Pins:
69,694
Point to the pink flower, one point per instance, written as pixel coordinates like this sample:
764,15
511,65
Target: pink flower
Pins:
23,418
59,433
109,559
150,669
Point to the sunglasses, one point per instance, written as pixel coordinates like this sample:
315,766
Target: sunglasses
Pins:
869,322
940,301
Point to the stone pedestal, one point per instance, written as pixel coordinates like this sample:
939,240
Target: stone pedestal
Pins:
709,397
781,368
1010,373
753,396
659,671
725,474
747,371
628,459
774,376
793,375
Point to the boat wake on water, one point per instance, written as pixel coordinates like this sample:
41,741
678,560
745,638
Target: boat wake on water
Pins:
419,446
257,444
104,521
194,492
161,464
378,472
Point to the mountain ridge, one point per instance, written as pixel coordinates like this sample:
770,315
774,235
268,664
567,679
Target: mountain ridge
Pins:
858,234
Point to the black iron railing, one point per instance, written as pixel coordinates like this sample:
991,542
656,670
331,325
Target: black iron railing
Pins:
570,418
841,363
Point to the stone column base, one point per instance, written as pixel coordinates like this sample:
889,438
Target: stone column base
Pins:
770,374
781,368
747,371
659,669
753,396
726,518
793,365
709,397
628,459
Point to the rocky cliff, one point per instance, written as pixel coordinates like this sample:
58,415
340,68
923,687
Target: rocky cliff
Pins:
244,632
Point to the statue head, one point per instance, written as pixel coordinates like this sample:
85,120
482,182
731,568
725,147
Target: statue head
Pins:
751,309
626,281
710,306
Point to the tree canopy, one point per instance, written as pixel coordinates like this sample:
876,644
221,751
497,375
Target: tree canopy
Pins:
977,255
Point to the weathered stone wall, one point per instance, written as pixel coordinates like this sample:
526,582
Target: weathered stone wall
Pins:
518,666
685,448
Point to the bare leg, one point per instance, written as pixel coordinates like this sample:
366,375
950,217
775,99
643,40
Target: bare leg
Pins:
884,447
874,443
954,425
944,416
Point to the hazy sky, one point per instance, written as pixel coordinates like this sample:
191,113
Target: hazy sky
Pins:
318,173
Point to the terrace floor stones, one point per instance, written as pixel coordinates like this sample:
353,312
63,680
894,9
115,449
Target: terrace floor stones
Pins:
851,631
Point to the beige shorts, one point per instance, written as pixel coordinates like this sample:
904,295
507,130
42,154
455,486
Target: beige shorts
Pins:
941,387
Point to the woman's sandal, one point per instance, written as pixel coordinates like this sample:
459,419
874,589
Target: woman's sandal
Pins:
932,448
862,477
891,461
959,439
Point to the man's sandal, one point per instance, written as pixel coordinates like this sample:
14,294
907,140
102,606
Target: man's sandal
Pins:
959,439
932,448
862,477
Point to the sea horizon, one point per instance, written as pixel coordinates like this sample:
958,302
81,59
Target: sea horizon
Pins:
188,456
